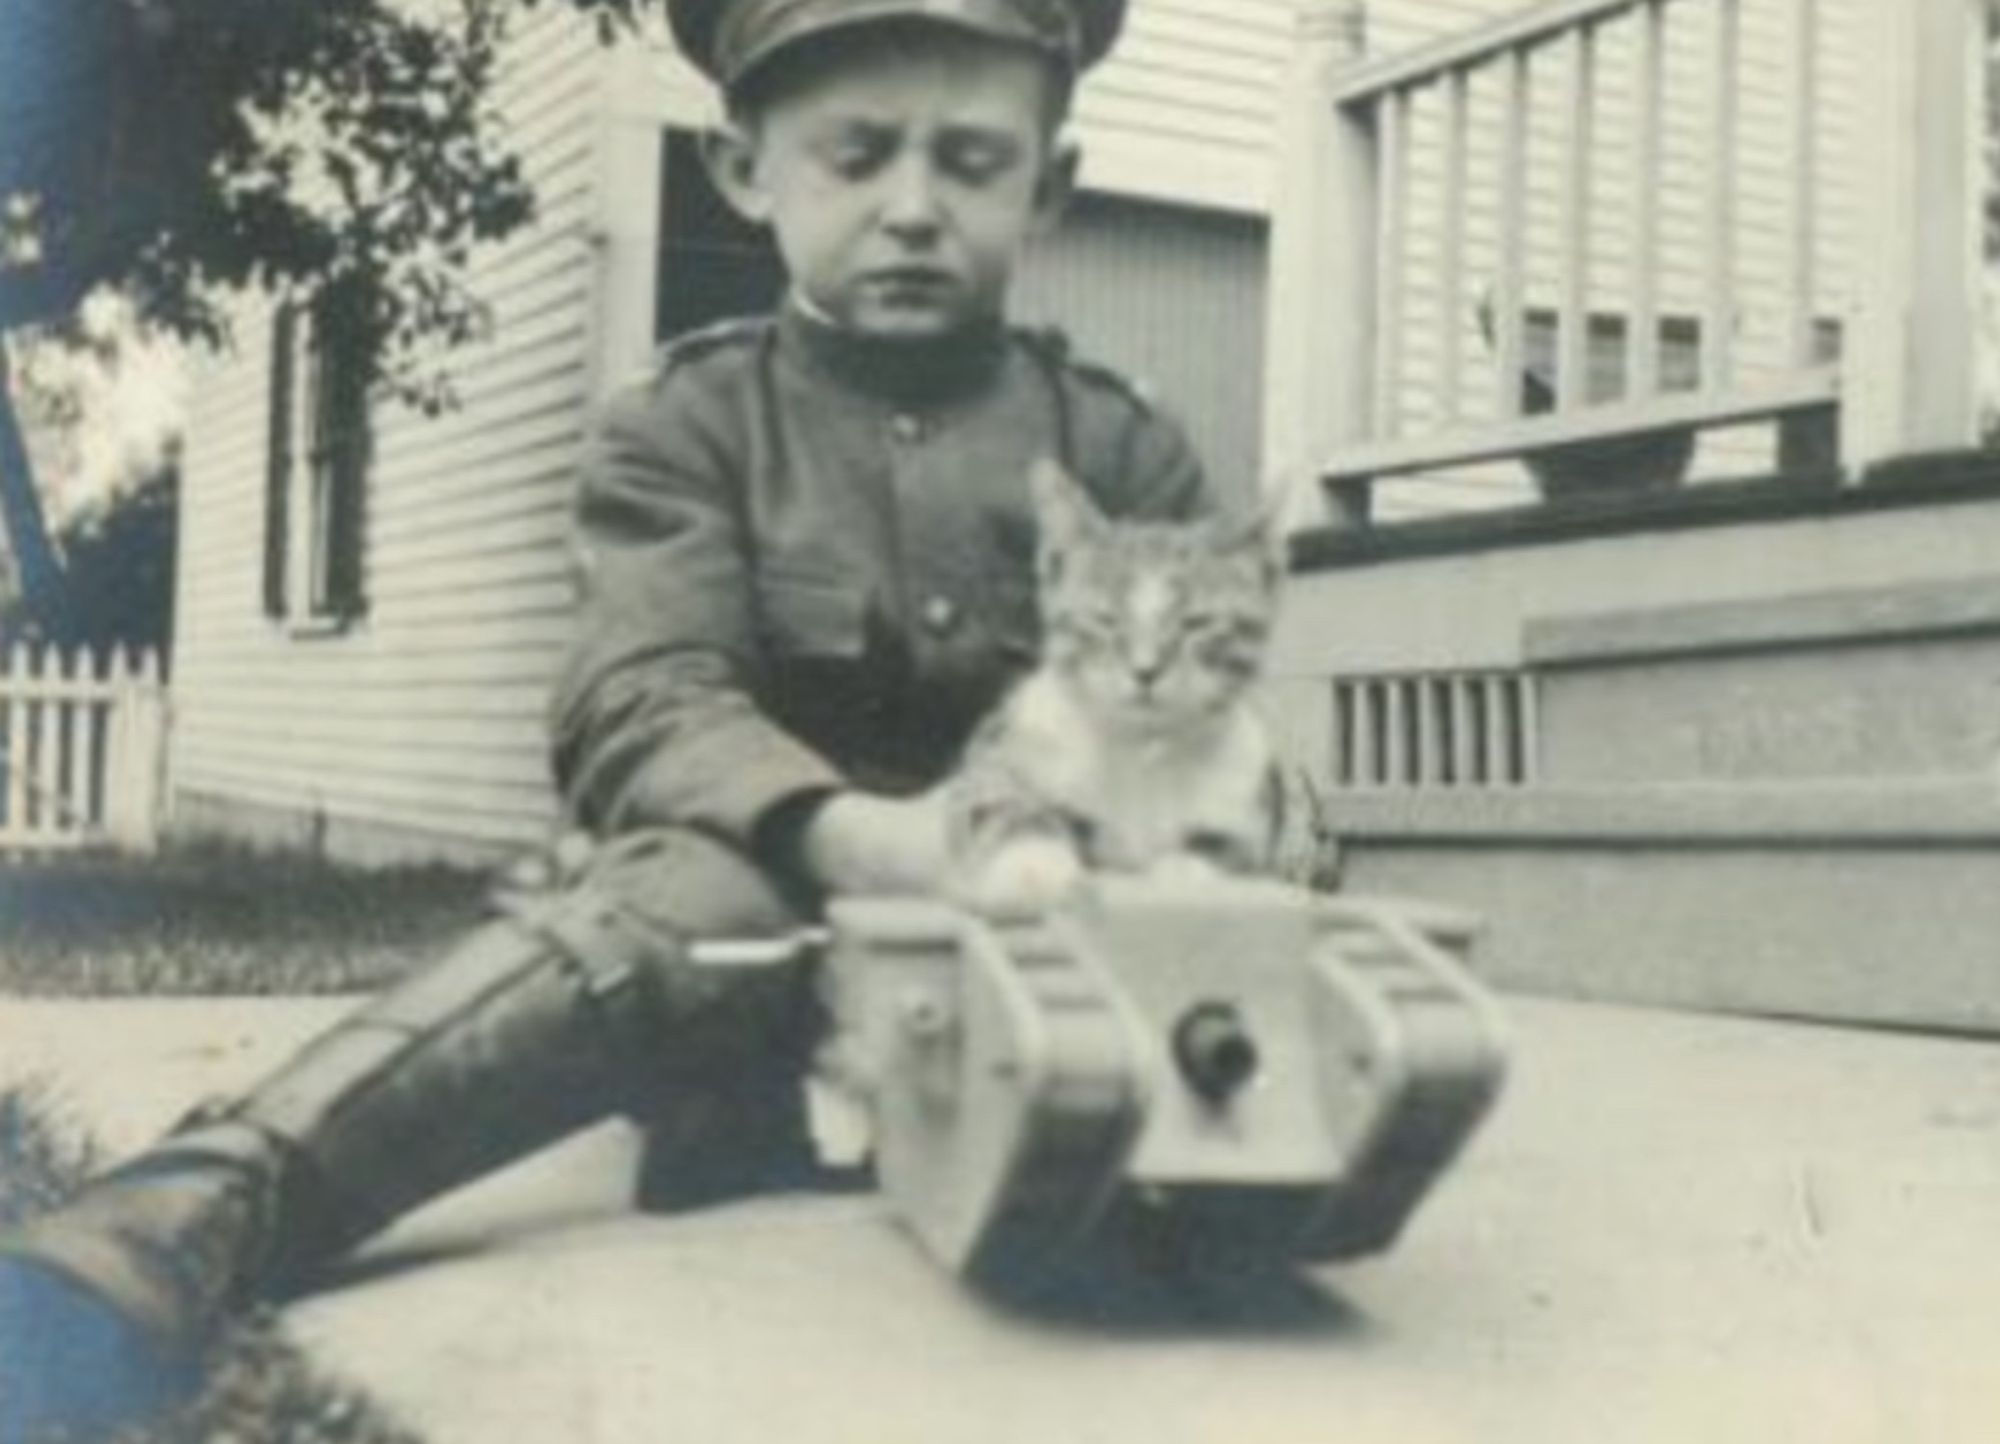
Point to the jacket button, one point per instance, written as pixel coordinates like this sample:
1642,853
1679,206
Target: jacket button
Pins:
939,613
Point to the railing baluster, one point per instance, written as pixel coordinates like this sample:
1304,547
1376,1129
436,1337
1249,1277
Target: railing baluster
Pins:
1573,324
1509,301
1395,182
1451,258
1799,340
1642,337
1718,325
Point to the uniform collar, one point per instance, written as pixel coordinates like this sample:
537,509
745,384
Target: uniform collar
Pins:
912,373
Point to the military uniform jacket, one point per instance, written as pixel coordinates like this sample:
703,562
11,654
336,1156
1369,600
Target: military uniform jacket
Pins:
806,561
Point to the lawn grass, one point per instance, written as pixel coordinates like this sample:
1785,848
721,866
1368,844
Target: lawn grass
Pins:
261,1388
212,921
44,1153
216,920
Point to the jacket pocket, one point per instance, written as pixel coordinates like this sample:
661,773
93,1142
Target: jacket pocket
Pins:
803,616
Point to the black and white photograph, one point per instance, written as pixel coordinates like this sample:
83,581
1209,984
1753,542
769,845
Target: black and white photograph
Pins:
999,721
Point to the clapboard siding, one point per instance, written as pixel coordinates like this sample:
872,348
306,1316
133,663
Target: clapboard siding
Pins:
1184,110
1172,298
430,714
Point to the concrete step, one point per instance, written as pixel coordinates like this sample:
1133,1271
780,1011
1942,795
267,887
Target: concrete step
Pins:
1867,902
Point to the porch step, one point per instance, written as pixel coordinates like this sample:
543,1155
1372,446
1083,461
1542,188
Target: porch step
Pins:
1873,903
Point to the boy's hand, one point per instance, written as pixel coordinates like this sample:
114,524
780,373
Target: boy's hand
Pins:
860,843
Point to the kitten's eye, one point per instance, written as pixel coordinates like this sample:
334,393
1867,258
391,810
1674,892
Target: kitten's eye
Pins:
1095,629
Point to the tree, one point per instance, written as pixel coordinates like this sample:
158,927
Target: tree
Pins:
118,564
337,150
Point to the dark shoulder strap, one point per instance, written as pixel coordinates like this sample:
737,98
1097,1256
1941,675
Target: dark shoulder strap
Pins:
1049,348
698,345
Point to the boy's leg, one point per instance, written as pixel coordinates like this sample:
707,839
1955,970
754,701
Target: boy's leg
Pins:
741,1130
539,1023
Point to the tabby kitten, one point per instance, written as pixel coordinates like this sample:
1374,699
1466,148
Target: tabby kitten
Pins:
1132,746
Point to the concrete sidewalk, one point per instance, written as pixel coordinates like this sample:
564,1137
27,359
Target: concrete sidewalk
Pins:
1675,1228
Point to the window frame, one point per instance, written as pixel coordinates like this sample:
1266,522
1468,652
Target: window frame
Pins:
318,475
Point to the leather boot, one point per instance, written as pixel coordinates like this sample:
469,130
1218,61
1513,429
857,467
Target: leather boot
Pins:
721,1144
507,1044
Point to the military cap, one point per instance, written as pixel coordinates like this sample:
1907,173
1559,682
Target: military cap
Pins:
727,38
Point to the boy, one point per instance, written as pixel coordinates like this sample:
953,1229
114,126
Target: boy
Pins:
805,556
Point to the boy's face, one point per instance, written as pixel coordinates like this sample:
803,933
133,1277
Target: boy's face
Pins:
902,181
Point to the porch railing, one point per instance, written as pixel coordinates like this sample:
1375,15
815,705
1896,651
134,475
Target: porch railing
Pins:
81,749
1528,245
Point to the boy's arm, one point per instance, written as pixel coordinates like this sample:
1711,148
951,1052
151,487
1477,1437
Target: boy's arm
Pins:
655,718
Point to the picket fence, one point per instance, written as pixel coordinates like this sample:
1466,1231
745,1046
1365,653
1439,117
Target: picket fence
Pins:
82,748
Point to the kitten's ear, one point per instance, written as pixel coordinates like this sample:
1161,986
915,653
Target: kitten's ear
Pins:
1262,533
1064,513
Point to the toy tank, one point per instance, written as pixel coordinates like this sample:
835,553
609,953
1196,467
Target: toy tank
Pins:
1284,1072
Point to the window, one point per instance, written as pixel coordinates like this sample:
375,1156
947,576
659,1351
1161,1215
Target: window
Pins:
712,263
316,482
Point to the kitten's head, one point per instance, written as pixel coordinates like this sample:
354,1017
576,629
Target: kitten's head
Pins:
1151,624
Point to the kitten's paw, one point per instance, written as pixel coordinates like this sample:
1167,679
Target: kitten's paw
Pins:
1025,879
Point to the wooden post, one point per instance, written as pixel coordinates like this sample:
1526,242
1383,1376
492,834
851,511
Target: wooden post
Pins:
626,227
1320,311
134,770
152,767
1910,373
